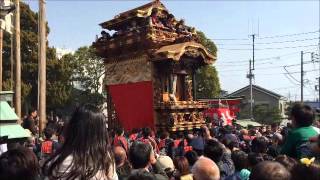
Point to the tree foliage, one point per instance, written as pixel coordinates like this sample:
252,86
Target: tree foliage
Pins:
208,84
88,71
58,72
266,115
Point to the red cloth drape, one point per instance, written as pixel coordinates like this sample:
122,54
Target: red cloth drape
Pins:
133,104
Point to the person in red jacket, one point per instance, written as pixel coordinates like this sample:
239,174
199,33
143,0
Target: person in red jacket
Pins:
120,140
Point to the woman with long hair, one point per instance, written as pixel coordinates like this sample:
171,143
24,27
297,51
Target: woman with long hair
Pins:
86,153
182,171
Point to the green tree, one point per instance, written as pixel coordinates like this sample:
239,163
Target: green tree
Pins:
88,69
58,76
267,115
260,113
208,84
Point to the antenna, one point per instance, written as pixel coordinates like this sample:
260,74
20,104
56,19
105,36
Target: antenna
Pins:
258,27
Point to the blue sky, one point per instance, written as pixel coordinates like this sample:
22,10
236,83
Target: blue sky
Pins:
75,23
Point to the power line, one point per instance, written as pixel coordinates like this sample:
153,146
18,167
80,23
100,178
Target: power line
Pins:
289,74
266,37
280,42
274,42
267,58
276,48
230,39
288,35
271,74
271,67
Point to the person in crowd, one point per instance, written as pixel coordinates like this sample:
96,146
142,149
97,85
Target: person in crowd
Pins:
268,170
48,146
315,147
215,151
142,157
182,171
286,161
231,141
254,159
105,35
20,163
198,142
181,27
30,121
306,171
166,144
259,145
274,148
147,138
154,18
33,146
86,153
167,165
142,175
122,163
240,160
133,135
120,140
170,22
205,169
302,117
192,157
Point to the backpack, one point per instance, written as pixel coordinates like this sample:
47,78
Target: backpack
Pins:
47,147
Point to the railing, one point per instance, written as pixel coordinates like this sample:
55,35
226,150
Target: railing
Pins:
182,105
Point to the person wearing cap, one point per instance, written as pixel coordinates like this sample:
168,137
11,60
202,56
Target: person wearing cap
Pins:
166,165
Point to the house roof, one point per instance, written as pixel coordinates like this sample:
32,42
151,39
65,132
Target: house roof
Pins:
257,88
141,11
7,113
247,122
13,131
175,52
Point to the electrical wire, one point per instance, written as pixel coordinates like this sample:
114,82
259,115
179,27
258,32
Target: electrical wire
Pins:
276,48
288,35
274,42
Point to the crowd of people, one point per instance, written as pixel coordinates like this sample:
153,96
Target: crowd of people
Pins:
85,149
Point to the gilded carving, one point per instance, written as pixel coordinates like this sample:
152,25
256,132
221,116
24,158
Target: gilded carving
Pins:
130,71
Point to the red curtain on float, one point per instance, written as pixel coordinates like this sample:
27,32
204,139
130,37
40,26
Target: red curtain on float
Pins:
133,104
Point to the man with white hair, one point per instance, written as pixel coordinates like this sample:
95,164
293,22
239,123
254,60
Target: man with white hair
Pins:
205,169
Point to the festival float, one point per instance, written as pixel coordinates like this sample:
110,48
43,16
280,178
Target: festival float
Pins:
151,59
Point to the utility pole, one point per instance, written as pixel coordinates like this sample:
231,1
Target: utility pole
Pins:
319,57
42,66
11,62
301,84
253,38
250,76
1,47
17,61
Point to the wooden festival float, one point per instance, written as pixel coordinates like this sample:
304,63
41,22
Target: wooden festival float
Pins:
150,65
